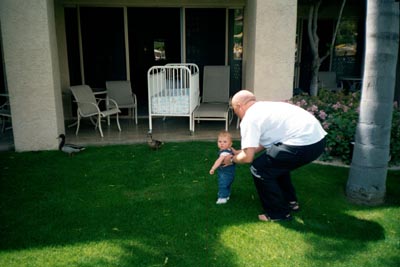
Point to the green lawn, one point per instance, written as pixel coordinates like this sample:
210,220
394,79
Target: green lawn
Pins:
130,206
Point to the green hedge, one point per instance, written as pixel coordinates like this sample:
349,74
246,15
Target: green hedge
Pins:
338,114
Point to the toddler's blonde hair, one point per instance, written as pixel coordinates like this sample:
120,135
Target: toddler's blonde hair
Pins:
225,134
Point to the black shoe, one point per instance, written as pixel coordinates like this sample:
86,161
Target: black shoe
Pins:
294,206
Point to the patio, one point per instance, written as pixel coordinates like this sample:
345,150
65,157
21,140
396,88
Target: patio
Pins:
170,129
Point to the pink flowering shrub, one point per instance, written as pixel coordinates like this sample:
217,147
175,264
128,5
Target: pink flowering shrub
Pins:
395,135
338,114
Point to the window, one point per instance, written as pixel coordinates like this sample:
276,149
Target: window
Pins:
238,34
159,50
347,53
346,39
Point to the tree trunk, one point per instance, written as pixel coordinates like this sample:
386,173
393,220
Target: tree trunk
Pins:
314,43
314,84
367,178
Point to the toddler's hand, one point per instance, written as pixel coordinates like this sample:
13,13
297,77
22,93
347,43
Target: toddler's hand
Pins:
211,171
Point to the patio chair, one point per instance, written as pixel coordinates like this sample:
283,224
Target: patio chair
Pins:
328,81
88,107
121,92
214,104
5,115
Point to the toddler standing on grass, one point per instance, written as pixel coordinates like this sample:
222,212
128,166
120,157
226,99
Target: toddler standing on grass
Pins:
226,173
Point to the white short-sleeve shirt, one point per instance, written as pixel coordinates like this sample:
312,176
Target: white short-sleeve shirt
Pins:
266,123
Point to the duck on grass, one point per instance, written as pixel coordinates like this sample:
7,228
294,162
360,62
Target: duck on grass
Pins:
70,149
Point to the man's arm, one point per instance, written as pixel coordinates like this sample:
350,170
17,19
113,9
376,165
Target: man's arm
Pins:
259,149
244,156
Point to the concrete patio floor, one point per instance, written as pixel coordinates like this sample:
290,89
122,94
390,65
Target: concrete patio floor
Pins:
171,129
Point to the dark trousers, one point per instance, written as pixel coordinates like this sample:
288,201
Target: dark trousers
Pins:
271,175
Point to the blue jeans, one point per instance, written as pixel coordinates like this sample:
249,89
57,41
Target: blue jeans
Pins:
226,176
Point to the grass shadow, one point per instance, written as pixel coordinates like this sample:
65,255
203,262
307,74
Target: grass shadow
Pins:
332,223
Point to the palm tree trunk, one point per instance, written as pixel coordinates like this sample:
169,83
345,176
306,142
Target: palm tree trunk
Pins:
367,179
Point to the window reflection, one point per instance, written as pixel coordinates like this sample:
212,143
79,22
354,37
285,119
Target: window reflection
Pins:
238,35
346,58
159,50
346,40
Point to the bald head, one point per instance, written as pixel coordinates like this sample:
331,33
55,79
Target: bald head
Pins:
243,97
241,101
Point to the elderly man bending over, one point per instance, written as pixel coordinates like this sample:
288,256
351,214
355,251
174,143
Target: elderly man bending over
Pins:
289,137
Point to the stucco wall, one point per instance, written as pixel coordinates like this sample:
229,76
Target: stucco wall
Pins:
271,34
32,74
32,60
